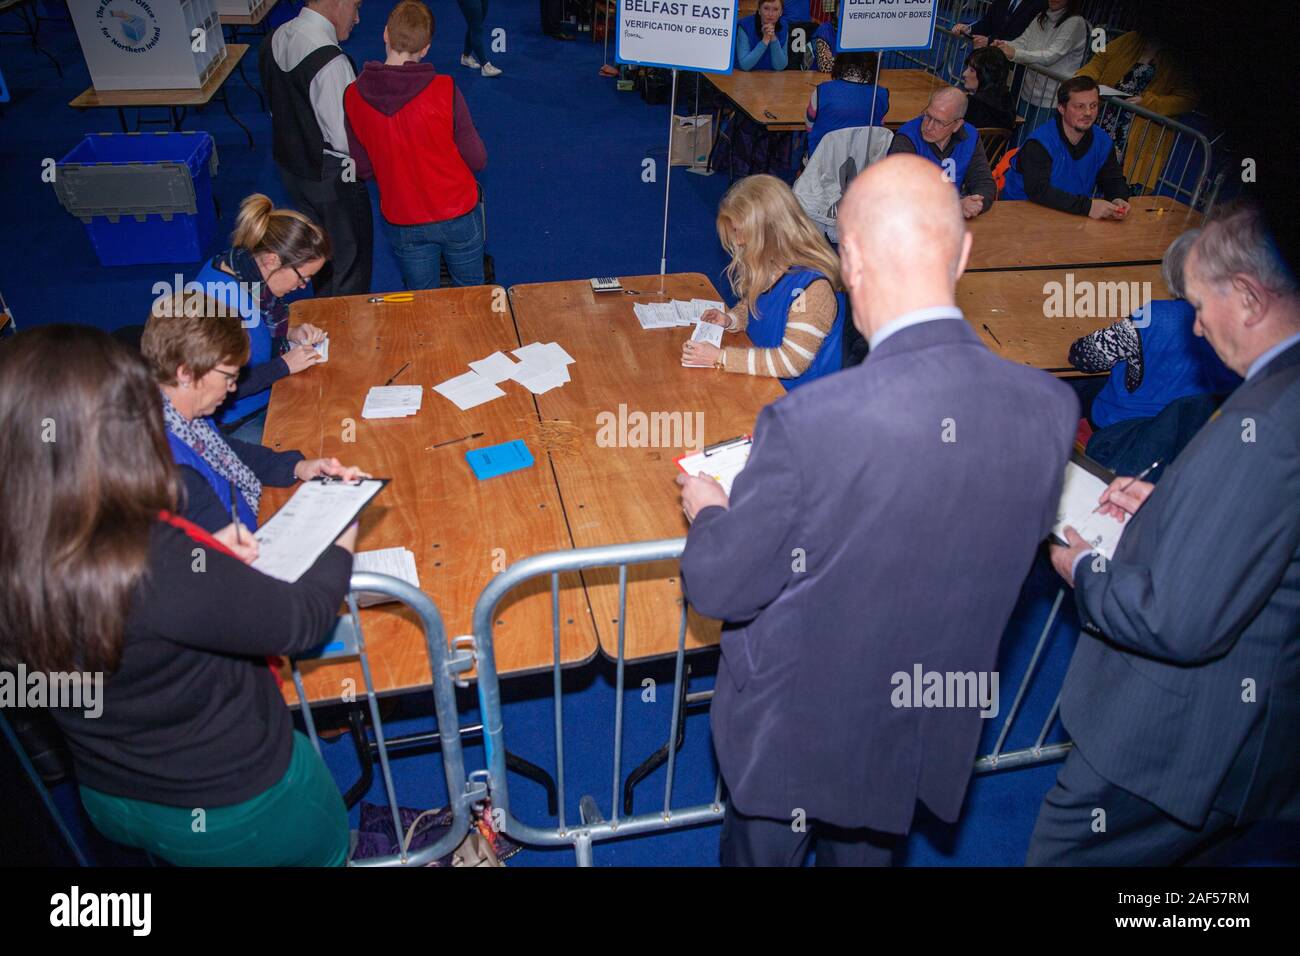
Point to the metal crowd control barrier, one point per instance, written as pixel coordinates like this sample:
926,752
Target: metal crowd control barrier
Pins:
594,827
348,640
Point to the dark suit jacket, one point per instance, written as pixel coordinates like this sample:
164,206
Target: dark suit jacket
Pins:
1203,595
997,24
860,543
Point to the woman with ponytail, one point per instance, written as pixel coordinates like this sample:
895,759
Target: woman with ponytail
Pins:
273,252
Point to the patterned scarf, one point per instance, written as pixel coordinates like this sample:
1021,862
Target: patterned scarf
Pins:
202,436
274,312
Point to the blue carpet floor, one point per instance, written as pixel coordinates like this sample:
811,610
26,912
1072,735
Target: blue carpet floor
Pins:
565,199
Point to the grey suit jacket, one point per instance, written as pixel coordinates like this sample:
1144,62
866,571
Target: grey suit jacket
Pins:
1189,694
886,520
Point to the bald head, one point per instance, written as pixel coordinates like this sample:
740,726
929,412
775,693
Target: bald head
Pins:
903,238
951,100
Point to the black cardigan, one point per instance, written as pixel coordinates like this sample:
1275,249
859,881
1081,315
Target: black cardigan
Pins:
193,716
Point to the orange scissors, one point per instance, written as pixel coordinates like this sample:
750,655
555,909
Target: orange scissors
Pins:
393,297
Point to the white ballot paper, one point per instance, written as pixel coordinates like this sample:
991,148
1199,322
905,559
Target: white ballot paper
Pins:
323,347
722,462
707,332
468,390
395,562
392,401
542,367
496,368
1079,497
309,523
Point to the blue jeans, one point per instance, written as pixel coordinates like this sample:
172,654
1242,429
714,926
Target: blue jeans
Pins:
420,250
475,12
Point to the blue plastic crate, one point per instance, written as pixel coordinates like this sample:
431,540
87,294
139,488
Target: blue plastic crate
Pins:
143,197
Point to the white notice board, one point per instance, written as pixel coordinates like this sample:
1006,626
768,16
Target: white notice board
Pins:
684,34
886,24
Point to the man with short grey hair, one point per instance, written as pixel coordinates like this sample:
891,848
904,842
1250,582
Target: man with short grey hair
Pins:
1183,697
942,136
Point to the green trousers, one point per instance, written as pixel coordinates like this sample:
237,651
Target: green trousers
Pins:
300,821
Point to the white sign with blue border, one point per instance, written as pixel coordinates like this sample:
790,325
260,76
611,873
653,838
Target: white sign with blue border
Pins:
681,34
886,24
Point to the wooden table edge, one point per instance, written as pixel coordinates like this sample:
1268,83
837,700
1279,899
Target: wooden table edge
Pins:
90,98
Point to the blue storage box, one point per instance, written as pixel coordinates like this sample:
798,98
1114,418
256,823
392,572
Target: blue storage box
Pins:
144,197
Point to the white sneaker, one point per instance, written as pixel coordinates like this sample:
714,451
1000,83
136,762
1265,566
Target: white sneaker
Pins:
490,70
467,59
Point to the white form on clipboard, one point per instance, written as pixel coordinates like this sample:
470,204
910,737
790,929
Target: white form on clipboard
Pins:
722,462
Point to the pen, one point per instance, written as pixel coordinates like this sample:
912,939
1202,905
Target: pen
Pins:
452,441
397,373
719,446
1138,477
990,332
234,514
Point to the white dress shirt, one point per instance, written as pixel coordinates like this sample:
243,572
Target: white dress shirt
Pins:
293,43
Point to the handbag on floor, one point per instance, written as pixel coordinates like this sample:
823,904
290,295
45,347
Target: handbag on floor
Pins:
482,846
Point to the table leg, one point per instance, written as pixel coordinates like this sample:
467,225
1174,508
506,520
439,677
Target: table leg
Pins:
121,118
225,101
32,20
660,756
261,101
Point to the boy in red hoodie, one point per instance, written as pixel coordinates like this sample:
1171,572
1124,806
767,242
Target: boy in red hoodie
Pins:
409,128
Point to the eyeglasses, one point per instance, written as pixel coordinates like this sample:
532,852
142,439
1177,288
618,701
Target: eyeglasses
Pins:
231,377
932,120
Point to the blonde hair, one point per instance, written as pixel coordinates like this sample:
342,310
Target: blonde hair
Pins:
778,236
287,233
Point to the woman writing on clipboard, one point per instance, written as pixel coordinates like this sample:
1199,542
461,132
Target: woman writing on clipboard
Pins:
195,349
104,579
791,304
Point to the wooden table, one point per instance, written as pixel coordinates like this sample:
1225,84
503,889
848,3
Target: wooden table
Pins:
622,494
784,94
1008,310
1018,234
176,102
461,530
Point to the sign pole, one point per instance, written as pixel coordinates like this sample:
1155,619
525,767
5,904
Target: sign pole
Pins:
668,178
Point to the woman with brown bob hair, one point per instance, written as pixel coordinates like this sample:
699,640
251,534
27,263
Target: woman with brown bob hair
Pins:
195,350
101,575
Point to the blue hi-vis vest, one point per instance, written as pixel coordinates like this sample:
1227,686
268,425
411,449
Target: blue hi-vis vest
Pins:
748,24
1075,176
842,104
235,297
766,328
184,455
961,156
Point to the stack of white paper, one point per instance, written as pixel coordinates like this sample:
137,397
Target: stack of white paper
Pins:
397,562
323,347
392,401
674,313
542,367
468,390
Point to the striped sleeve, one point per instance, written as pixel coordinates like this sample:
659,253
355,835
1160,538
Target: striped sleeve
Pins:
805,329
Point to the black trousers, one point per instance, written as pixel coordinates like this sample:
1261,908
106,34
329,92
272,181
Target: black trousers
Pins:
1137,833
759,841
552,14
342,209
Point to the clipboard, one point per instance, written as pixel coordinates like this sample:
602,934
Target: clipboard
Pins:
1101,531
309,522
722,461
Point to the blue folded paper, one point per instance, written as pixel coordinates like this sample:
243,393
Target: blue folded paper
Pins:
499,459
